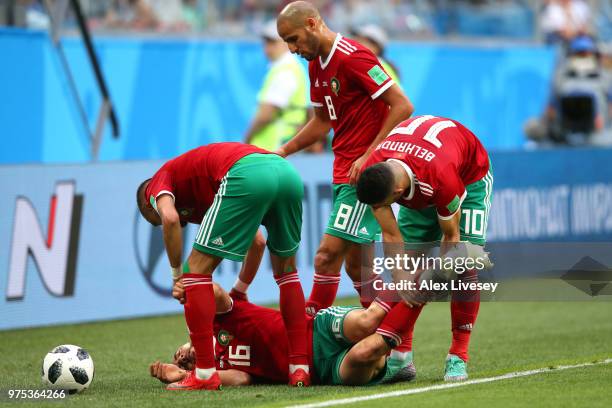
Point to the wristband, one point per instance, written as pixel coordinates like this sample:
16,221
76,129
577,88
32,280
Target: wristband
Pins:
241,286
176,272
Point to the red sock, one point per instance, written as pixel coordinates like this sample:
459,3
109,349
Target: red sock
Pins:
292,309
399,320
463,317
366,290
323,293
406,345
387,306
199,313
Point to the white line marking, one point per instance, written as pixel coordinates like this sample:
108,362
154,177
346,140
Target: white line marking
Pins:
447,385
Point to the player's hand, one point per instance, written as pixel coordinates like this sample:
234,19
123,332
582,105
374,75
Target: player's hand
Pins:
237,295
178,291
281,151
413,298
355,171
166,373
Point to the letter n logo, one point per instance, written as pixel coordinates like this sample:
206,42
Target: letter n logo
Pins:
55,254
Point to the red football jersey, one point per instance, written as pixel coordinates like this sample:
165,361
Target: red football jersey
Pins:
253,339
193,178
348,85
441,157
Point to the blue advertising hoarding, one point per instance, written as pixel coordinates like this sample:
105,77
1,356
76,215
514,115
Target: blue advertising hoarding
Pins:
73,247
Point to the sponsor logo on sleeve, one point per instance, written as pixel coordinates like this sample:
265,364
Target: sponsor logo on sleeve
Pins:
453,205
378,75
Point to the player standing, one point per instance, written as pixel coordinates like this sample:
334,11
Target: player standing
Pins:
231,189
352,93
439,172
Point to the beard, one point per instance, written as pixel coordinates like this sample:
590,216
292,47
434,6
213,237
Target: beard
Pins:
313,45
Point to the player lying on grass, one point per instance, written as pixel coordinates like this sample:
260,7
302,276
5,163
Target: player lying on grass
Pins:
251,346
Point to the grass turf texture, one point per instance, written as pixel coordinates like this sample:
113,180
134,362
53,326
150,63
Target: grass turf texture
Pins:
508,337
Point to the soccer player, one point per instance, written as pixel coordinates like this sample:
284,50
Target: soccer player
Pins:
251,345
440,174
231,189
352,94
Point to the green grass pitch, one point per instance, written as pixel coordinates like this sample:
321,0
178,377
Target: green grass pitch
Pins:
508,337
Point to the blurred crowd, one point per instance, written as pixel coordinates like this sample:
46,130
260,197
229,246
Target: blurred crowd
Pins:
579,110
521,19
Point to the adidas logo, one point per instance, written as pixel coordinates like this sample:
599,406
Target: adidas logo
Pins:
218,241
466,327
363,230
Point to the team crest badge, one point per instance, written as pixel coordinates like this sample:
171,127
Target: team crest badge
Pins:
224,338
335,85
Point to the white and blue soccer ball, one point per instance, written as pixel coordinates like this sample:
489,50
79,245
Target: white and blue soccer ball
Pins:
68,367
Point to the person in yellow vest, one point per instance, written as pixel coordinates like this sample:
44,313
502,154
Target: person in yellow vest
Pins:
283,99
375,39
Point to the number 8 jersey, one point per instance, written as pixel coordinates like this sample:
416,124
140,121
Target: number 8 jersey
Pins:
441,157
347,85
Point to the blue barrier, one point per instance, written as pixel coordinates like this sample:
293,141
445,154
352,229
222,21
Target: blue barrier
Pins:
73,248
175,94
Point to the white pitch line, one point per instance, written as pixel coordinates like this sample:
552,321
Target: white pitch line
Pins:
447,385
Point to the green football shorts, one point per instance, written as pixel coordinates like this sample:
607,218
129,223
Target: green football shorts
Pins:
350,219
259,189
329,346
419,226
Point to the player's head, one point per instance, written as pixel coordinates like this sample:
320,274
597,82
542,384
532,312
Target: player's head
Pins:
184,357
377,185
300,25
145,207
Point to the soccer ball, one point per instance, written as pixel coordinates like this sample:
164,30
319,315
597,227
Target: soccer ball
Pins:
68,367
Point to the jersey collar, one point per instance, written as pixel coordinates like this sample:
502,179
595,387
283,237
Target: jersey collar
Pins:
410,176
331,53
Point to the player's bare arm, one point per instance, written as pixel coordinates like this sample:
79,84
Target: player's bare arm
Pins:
450,230
392,235
364,361
400,109
266,113
388,224
169,373
317,128
250,265
171,226
235,378
360,323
